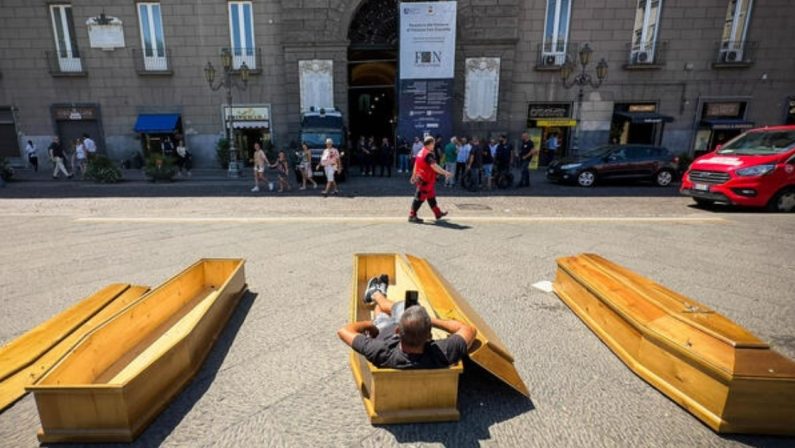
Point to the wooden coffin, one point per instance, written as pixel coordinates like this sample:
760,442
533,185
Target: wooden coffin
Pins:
25,359
709,365
119,377
407,396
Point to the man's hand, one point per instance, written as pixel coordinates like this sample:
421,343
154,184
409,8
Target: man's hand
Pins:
467,332
350,331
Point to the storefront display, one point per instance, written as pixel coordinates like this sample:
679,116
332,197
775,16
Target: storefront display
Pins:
155,128
252,124
637,123
720,122
545,120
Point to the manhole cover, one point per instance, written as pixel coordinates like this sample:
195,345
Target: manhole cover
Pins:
473,207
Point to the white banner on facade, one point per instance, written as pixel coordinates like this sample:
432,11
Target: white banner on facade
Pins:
481,94
427,40
316,82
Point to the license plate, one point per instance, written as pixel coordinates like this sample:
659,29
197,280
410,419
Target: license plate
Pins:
701,187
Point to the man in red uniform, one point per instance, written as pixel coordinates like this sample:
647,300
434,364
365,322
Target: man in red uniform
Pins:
424,176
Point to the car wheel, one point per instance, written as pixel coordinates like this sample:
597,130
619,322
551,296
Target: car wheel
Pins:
664,178
703,202
783,201
586,178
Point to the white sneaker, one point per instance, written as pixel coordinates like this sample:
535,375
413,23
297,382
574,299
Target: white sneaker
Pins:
255,189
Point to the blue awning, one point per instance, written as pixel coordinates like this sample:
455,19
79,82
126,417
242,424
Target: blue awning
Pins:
156,123
644,117
728,123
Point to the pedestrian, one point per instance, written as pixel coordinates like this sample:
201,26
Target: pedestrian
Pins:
403,152
415,149
488,163
372,157
90,145
364,155
330,161
183,159
386,155
493,147
424,177
438,149
282,171
57,156
81,159
167,147
305,166
260,162
504,155
526,154
33,156
475,162
461,161
450,155
552,144
70,155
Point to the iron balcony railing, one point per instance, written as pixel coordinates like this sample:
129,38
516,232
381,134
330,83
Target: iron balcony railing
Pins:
646,56
149,62
553,54
251,56
732,53
64,65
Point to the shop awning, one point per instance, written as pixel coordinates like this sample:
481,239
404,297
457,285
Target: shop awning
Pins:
644,117
728,123
252,124
156,123
559,122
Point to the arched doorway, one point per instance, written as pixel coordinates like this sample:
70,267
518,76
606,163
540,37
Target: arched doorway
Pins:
372,70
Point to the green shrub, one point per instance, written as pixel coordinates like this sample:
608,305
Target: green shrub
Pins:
6,172
158,168
103,170
222,152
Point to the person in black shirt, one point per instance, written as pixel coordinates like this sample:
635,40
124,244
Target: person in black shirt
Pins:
57,156
386,156
400,337
504,154
525,156
403,152
475,162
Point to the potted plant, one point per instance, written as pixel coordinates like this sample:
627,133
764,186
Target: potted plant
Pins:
159,167
222,152
102,170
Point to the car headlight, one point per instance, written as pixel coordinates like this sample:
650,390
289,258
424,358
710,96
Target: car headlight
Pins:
570,166
758,170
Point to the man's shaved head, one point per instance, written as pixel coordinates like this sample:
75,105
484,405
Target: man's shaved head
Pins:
415,326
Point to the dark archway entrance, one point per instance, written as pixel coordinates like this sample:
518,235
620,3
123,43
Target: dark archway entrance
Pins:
372,71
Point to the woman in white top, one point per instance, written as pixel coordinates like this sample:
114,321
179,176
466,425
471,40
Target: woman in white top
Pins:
81,158
330,161
33,156
183,159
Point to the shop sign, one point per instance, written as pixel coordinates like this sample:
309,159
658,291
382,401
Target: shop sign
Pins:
550,123
75,113
722,110
643,108
249,113
541,111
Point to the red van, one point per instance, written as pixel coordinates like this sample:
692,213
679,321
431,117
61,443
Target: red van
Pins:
755,169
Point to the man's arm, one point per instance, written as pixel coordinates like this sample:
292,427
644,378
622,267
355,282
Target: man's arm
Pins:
467,332
350,331
440,170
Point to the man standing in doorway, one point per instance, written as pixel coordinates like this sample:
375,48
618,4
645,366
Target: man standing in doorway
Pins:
57,156
424,177
90,146
552,147
526,154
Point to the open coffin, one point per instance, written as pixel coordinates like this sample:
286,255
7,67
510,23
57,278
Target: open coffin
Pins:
119,377
433,392
715,369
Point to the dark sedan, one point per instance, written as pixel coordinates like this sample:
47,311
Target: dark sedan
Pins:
613,162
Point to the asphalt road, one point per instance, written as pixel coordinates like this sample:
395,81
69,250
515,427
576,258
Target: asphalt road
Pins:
278,375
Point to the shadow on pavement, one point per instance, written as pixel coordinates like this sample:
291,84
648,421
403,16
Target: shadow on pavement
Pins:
483,401
166,421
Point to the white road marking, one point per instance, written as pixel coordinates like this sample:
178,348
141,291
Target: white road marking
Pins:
543,285
395,219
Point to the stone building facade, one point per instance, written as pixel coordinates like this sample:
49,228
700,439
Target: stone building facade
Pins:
677,95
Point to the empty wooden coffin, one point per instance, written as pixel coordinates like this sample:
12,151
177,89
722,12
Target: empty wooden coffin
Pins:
119,377
712,367
422,395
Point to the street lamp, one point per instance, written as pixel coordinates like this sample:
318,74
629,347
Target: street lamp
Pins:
581,80
227,81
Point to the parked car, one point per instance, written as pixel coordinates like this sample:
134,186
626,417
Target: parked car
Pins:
755,169
642,162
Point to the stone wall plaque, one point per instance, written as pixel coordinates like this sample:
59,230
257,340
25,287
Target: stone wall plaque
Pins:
105,32
316,82
481,94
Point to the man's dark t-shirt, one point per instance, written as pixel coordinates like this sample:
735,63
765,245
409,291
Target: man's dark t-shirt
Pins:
384,351
57,150
503,155
526,148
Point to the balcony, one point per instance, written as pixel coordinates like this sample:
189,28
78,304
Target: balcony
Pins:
60,65
646,58
734,54
148,63
552,55
251,56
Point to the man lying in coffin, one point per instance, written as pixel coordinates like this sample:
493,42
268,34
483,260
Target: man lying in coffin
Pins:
400,335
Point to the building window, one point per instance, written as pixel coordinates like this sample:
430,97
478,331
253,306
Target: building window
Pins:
65,40
644,39
152,41
734,30
241,29
556,32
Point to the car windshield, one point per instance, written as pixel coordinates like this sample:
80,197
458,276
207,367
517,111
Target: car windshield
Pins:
760,143
318,139
599,151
